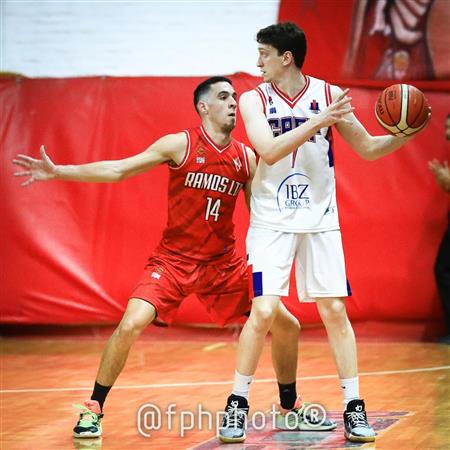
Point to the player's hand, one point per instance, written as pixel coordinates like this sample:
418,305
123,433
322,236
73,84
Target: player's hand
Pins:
336,111
36,169
441,173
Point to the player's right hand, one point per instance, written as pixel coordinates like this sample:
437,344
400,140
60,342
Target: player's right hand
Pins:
335,112
36,169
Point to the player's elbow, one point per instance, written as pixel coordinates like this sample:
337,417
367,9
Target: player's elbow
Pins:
368,155
268,156
367,151
268,159
118,174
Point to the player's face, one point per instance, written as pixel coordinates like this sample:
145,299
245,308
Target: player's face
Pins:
269,62
222,105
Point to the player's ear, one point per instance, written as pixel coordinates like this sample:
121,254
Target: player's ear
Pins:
287,58
202,107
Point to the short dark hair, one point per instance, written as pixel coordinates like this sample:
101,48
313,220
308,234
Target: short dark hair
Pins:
204,86
285,37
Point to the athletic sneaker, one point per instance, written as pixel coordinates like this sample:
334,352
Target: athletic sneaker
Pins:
302,417
89,425
357,429
235,420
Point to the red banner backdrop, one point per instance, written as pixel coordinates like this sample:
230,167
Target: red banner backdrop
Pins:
72,252
373,39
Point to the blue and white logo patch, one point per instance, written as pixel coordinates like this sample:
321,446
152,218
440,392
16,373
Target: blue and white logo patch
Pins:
293,192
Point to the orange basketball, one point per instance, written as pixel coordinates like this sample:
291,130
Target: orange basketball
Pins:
402,109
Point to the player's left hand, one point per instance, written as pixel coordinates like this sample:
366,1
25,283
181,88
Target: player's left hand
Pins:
37,169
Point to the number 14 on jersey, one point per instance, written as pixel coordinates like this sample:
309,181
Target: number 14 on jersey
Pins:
212,208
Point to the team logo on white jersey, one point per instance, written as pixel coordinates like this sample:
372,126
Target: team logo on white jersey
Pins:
314,107
237,163
293,192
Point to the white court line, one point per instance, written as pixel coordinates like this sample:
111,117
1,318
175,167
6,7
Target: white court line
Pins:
218,383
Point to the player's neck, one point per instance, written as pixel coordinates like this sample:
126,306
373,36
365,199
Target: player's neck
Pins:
219,137
292,82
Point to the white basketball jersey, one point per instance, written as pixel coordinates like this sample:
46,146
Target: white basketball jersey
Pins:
298,193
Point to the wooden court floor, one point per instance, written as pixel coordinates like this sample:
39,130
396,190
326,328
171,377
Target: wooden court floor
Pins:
187,376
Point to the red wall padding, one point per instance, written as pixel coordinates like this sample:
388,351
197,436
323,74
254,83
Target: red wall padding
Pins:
72,252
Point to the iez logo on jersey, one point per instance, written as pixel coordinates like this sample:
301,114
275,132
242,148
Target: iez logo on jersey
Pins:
273,110
314,107
293,192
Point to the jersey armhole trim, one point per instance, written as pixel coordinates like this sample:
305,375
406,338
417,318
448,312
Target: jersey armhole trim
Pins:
246,161
262,97
328,97
186,153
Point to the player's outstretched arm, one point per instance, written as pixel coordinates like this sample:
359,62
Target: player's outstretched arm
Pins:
167,148
272,149
367,146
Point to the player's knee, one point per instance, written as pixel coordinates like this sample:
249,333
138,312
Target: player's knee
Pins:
263,317
333,311
130,328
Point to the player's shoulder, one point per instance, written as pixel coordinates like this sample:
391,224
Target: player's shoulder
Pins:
335,91
191,131
238,144
251,101
173,139
173,145
248,95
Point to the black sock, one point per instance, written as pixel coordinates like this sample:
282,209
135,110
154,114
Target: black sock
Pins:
288,395
99,393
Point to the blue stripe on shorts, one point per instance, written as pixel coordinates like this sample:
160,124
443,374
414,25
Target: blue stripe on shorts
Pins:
349,289
257,284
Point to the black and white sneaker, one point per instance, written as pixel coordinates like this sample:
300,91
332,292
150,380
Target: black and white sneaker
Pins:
357,429
235,420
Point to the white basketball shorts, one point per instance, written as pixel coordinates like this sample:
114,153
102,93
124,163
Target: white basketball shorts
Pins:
318,259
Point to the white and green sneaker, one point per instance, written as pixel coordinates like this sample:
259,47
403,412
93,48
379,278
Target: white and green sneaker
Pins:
89,424
301,418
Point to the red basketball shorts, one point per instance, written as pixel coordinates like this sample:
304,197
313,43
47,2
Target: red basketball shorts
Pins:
221,286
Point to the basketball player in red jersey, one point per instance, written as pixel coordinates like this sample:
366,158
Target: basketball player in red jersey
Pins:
208,168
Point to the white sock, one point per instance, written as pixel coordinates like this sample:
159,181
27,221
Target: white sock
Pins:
350,389
242,384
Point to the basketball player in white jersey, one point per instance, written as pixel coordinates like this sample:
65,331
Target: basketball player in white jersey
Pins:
294,218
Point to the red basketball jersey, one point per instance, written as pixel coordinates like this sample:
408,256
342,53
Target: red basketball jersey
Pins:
202,196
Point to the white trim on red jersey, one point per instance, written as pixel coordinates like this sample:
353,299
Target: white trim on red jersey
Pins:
186,153
212,143
246,162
